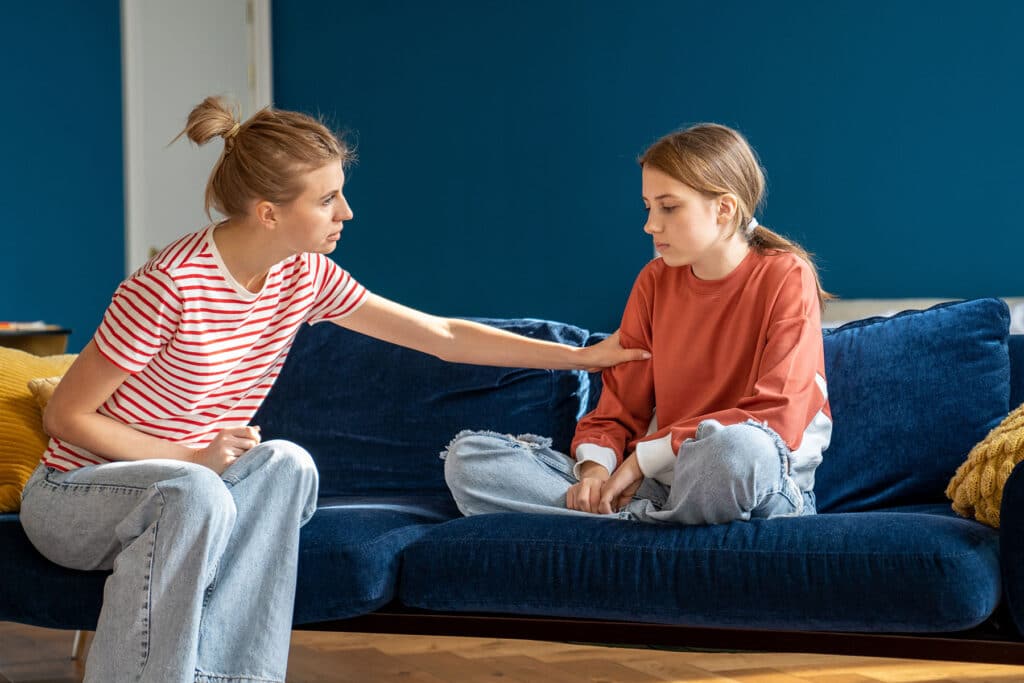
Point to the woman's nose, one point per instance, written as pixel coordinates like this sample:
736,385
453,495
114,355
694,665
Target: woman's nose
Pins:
344,212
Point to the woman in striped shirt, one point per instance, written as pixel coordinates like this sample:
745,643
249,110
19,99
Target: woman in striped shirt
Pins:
153,469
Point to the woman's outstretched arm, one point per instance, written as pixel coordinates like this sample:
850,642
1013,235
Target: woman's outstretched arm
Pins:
462,341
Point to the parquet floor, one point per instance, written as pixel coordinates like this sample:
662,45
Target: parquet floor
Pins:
42,656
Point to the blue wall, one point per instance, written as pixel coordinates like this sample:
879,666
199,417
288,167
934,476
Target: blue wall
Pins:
498,143
497,140
61,195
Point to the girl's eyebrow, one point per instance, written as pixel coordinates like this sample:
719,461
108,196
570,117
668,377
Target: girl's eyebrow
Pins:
663,196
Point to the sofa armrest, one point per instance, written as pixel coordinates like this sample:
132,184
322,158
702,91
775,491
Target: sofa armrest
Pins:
1011,545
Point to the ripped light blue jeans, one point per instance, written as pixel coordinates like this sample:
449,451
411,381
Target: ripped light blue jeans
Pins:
204,565
723,474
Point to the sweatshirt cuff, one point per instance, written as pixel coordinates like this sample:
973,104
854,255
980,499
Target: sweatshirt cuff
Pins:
602,455
655,456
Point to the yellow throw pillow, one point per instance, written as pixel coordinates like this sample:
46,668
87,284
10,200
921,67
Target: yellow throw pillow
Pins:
42,389
22,440
977,487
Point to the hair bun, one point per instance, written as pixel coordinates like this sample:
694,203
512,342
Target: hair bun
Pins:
213,117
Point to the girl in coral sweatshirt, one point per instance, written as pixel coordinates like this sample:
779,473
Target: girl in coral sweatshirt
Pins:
729,419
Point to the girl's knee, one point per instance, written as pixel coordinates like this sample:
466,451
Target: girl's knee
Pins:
470,447
469,444
471,455
490,472
741,451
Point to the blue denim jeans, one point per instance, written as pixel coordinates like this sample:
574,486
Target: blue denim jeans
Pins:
204,566
723,474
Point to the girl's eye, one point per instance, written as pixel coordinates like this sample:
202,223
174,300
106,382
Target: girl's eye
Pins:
669,209
329,200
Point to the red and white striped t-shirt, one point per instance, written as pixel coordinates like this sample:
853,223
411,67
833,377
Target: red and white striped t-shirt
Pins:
202,350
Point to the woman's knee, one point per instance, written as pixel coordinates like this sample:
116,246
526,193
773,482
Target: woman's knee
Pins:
290,456
276,460
200,493
283,471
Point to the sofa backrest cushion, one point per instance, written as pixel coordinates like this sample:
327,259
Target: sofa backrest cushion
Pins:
910,396
376,416
1016,345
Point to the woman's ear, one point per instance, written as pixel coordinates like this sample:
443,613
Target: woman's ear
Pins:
266,213
727,208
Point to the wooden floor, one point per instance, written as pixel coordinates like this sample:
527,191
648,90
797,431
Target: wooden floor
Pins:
42,656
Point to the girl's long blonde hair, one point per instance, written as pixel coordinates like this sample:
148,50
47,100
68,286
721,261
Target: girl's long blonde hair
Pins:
715,160
264,157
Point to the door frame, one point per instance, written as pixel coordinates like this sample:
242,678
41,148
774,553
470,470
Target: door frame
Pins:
260,86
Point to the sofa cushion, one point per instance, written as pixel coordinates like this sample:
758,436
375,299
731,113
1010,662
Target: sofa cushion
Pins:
375,416
910,396
843,572
348,564
349,552
1011,548
38,592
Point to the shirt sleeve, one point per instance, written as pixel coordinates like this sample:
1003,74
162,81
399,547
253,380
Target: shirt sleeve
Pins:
624,411
142,317
336,293
787,392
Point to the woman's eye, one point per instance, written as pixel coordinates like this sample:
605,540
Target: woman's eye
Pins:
329,200
669,209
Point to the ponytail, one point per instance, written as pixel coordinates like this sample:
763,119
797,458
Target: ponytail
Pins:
762,240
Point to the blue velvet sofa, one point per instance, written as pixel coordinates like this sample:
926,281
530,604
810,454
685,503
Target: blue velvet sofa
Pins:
886,568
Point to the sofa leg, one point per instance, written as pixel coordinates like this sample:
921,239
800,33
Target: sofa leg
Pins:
77,645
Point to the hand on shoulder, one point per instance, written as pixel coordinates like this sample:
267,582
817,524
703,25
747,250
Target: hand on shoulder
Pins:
610,352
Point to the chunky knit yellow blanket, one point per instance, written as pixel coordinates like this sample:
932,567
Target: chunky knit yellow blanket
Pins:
977,487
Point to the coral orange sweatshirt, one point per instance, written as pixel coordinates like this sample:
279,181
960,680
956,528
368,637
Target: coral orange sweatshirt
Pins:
745,347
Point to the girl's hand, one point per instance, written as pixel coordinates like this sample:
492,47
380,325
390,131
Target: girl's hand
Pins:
621,486
586,494
227,447
608,353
